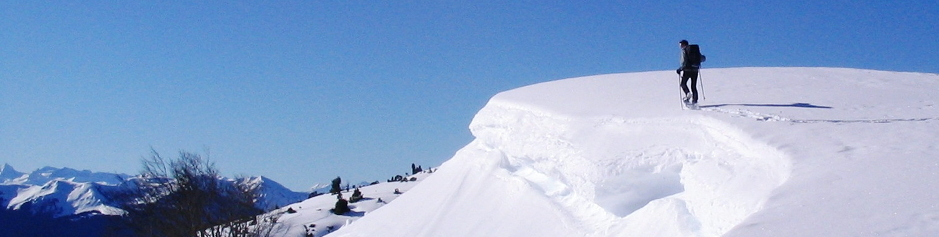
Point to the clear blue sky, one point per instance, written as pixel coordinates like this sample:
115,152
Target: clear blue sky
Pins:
304,91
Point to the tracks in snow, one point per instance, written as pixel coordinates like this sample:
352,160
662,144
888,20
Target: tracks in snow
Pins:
776,118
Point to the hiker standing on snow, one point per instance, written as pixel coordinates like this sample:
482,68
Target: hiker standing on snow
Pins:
691,59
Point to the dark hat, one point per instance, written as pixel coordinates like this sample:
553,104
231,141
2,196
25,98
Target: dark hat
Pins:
683,42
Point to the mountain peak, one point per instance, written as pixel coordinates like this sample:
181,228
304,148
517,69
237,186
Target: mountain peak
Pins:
8,173
275,194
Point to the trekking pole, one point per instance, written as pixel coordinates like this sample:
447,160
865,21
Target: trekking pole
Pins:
701,82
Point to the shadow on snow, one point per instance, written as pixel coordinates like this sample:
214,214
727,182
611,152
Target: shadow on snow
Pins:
796,105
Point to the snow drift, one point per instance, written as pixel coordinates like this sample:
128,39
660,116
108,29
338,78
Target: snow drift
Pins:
773,152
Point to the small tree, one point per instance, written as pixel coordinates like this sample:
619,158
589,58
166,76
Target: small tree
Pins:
337,186
342,207
356,196
185,197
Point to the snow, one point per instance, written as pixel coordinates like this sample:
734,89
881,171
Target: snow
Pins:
271,193
72,191
77,192
69,198
43,175
314,216
772,152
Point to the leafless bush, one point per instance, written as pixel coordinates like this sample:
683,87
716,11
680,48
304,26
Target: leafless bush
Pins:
185,197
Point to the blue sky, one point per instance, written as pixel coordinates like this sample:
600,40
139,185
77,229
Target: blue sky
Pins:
304,91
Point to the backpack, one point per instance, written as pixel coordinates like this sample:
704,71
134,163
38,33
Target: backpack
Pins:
693,56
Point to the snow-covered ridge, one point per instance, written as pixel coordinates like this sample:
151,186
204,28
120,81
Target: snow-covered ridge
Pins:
68,191
772,152
69,197
41,176
272,194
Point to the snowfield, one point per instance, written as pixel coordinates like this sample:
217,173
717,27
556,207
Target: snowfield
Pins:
772,152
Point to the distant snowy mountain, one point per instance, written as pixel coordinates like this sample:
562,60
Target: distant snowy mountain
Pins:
64,191
67,192
272,194
7,173
45,174
772,152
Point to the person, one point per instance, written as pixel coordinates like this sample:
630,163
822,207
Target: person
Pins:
690,70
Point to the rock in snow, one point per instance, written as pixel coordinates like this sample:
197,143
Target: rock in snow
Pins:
772,152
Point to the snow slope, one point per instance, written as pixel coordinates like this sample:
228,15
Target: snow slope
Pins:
313,216
772,152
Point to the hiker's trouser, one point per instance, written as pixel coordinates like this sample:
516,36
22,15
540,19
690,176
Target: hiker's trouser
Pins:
693,76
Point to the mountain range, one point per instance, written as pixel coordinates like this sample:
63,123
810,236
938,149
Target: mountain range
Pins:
68,192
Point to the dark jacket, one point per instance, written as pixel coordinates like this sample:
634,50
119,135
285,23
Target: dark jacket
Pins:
685,65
